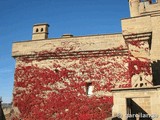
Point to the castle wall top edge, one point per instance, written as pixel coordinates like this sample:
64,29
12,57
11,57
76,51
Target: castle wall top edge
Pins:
82,36
73,44
132,89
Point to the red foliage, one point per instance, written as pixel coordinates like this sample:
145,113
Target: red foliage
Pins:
137,43
41,98
59,94
138,66
140,45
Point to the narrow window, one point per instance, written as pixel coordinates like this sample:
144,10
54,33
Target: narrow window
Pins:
37,30
129,105
41,29
89,88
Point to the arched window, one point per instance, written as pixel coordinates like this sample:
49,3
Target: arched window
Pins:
37,30
41,29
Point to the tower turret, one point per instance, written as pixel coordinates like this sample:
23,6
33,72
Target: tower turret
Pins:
158,1
134,8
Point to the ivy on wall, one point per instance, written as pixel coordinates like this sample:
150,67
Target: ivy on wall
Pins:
57,90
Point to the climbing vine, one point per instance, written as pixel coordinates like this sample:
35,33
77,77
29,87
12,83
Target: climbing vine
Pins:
50,87
138,46
44,99
138,66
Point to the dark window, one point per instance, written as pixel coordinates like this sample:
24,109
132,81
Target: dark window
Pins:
41,29
56,70
37,30
89,88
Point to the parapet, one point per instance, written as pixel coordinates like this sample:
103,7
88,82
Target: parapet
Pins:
70,44
144,7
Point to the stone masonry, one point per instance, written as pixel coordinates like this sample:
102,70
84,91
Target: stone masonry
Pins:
127,60
146,98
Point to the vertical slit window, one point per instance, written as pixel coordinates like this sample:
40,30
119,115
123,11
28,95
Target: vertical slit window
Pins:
41,29
37,30
89,88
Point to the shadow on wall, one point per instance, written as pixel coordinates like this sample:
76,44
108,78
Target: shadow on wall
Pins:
116,118
135,109
2,117
156,72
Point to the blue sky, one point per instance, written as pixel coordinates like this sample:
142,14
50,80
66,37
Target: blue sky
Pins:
78,17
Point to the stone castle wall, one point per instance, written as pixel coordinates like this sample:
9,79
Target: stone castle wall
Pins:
146,98
73,44
72,63
54,75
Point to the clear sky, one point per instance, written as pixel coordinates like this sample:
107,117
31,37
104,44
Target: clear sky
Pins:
78,17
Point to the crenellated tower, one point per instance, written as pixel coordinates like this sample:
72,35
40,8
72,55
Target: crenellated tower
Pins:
134,8
143,7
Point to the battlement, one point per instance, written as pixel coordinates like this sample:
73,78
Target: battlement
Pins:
144,7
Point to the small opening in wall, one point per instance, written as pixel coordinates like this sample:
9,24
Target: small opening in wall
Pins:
136,85
37,30
56,70
141,84
41,29
140,78
89,88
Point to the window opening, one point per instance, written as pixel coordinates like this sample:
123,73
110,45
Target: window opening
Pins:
41,29
37,30
89,88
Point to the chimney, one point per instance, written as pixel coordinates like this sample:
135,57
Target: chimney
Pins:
40,31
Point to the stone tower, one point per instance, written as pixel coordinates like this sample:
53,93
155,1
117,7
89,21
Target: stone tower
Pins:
137,7
134,8
40,31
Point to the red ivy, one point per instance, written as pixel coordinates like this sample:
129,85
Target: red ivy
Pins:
41,98
58,92
138,66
